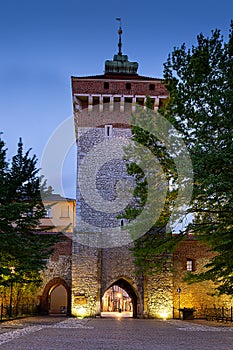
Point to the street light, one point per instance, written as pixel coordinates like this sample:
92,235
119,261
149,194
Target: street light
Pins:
179,291
12,269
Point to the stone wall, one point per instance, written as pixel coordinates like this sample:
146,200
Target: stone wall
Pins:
118,268
58,271
158,295
59,265
86,281
106,179
95,270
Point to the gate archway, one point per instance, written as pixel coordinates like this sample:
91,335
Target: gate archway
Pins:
56,297
134,299
58,300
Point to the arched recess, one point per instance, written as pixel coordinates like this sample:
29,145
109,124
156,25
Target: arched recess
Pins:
122,283
50,286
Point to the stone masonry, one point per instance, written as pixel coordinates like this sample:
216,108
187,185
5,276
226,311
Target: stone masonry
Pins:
102,111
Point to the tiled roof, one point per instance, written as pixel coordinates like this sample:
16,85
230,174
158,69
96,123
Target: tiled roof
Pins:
57,198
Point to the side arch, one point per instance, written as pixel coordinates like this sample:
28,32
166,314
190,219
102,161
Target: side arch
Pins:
130,290
51,285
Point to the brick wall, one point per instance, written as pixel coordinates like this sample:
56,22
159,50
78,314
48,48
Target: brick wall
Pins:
196,295
118,87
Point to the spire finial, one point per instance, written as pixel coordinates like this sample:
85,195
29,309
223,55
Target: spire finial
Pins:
119,32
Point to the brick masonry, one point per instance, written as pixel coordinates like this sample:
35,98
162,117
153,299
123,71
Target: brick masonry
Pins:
138,86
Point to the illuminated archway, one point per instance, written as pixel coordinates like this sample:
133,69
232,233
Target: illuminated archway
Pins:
120,299
58,300
56,297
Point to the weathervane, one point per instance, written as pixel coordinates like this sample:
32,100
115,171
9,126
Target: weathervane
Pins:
119,32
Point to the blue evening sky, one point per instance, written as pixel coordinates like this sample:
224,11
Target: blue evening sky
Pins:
43,43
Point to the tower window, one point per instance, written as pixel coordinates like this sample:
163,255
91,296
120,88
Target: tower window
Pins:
106,85
96,100
108,130
190,265
128,86
106,99
140,101
152,86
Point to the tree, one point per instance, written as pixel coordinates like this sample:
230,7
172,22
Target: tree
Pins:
155,174
23,251
200,83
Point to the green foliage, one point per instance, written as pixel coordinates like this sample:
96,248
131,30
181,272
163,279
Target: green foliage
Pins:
200,83
155,174
21,209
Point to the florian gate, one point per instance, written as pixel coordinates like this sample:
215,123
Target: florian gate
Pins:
102,110
98,256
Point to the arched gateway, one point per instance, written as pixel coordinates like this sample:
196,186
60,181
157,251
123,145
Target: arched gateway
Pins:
56,297
131,296
95,270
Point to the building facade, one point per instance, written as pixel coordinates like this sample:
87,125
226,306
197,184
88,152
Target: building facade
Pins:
55,291
60,214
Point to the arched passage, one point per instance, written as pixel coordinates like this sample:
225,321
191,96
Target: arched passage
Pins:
56,297
58,300
127,287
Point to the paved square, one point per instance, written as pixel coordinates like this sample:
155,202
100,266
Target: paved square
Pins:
47,333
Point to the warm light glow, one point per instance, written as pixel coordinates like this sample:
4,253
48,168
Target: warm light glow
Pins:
119,295
164,314
12,268
119,316
80,312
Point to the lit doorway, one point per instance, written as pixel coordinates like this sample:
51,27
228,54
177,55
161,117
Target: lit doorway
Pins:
119,300
58,300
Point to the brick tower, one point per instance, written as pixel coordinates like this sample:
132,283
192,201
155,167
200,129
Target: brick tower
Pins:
102,106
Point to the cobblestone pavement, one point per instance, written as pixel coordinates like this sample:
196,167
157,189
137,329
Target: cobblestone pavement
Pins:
50,333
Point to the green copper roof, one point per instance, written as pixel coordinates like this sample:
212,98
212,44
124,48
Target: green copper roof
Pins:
120,63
